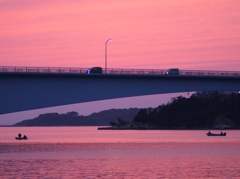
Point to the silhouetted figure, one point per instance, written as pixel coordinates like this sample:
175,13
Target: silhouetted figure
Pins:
24,137
19,135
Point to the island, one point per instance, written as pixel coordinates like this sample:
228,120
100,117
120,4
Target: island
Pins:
202,110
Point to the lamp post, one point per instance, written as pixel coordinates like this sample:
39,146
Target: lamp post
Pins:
106,54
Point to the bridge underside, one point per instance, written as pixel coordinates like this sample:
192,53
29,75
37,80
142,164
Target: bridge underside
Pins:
20,92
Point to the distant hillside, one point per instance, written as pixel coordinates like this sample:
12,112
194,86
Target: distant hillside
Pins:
102,118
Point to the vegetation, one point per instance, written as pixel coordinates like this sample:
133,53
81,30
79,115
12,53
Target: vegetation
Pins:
204,110
201,111
102,118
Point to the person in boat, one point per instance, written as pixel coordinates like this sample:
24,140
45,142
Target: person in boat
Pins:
24,137
209,132
19,135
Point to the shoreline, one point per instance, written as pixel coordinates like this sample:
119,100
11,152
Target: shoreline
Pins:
112,128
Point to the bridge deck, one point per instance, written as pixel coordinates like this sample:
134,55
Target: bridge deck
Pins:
11,69
27,88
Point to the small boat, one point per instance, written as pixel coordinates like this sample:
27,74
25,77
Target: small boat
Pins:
21,138
221,134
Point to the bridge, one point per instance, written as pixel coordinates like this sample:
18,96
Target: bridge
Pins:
27,88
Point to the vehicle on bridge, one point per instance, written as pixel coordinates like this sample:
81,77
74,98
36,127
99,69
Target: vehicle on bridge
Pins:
172,71
94,70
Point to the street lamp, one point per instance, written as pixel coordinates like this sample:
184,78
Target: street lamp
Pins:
106,54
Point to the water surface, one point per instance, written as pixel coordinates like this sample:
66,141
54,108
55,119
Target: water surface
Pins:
85,152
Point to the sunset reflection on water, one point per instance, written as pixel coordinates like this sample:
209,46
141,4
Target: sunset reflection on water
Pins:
85,152
92,135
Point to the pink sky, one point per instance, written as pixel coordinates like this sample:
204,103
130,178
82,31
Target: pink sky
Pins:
188,34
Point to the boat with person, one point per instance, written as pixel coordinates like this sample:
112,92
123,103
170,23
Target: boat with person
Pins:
212,134
20,137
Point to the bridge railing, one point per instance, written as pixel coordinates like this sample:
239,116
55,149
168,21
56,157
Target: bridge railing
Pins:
135,71
209,73
42,69
181,72
11,69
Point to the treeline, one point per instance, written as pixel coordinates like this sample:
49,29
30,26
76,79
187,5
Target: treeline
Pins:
102,118
201,111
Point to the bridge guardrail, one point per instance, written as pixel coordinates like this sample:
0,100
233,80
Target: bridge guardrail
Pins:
11,69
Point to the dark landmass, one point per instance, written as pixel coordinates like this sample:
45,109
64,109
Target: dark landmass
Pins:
205,110
102,118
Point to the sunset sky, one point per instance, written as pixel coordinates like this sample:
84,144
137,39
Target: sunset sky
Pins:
153,34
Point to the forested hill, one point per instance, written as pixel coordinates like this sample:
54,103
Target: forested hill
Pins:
203,110
102,118
206,110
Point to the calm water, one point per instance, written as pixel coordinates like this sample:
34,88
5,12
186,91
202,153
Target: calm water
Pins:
85,152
